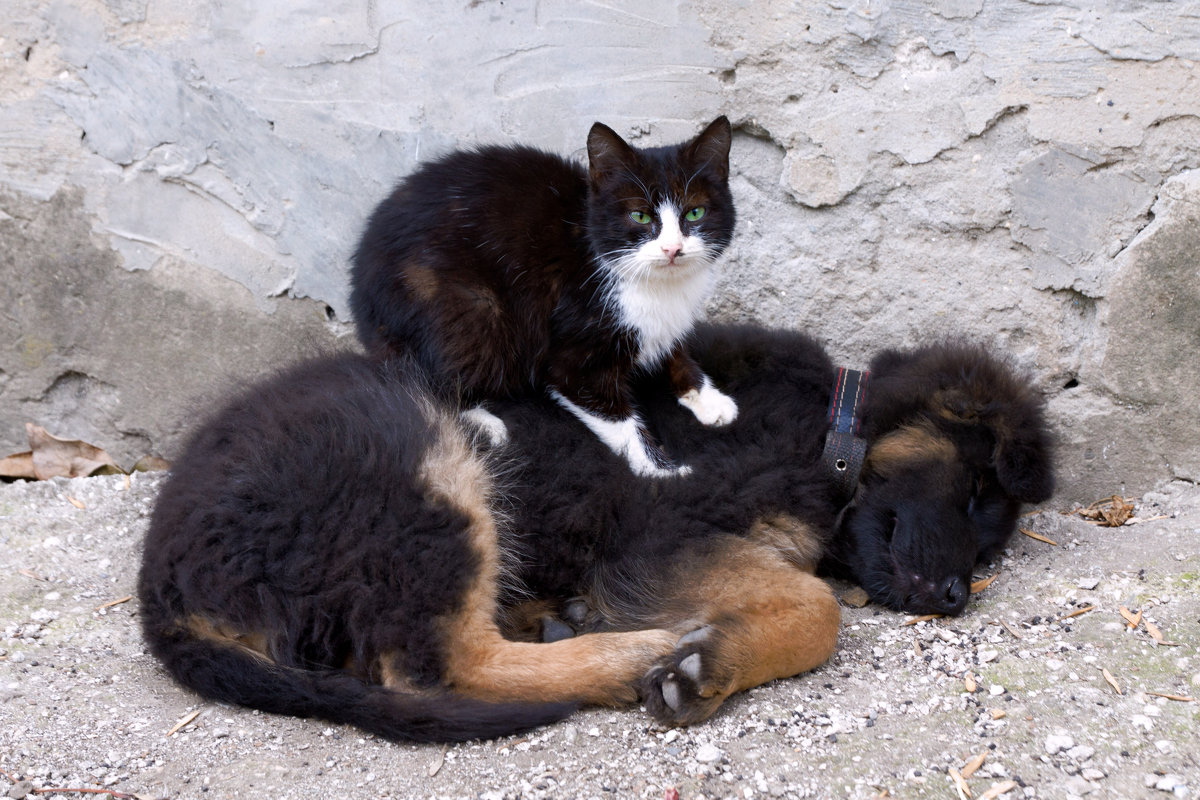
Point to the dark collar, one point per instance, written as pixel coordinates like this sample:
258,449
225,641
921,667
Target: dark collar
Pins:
845,450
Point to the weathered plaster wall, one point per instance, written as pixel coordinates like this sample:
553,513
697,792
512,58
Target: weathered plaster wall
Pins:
181,184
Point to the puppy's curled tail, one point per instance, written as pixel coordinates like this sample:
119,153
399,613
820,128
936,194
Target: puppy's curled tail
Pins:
234,675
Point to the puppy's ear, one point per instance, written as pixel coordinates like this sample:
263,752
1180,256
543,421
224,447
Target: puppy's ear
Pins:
1023,457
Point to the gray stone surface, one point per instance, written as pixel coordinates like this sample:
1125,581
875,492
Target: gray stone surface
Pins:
181,184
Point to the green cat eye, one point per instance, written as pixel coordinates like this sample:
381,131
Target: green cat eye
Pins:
695,214
640,217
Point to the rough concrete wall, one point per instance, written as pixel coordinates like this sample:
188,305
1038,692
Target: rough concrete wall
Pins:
181,184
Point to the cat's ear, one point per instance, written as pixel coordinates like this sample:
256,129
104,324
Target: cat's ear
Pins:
711,147
607,152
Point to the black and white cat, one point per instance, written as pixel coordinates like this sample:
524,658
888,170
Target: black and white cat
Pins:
508,270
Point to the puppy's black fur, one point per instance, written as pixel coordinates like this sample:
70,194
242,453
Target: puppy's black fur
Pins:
329,544
956,443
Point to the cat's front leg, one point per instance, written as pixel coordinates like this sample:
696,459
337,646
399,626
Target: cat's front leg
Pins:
627,437
696,391
710,405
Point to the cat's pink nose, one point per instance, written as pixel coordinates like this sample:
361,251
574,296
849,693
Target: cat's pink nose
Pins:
670,251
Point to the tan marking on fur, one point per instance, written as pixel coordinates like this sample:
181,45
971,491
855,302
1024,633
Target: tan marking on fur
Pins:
903,446
600,668
391,677
422,281
225,634
790,537
770,619
522,621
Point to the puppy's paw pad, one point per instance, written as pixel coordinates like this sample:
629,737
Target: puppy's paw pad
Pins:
690,667
696,637
681,689
671,694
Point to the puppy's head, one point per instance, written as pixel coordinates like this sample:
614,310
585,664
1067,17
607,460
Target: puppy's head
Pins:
956,443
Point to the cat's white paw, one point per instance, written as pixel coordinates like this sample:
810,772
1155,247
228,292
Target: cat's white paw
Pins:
627,438
487,424
647,469
710,405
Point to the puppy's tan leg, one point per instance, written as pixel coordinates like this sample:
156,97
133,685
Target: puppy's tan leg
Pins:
753,616
598,668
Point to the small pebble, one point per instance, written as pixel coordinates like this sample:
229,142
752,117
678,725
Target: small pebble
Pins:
1078,787
708,753
1171,783
1088,583
20,790
1056,743
1081,752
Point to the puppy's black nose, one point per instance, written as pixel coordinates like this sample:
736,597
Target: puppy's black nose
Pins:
953,594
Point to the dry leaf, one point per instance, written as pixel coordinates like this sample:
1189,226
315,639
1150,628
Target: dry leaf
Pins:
116,602
151,464
1133,619
917,651
1016,634
1180,698
1037,536
922,618
28,573
436,765
975,763
1077,612
67,458
1108,676
18,465
1156,634
979,586
76,502
998,789
1111,512
854,597
187,720
960,784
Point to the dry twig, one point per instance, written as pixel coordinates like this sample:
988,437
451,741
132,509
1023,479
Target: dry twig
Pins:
187,720
1038,536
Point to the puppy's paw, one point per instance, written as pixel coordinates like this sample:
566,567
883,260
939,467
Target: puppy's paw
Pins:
684,688
710,405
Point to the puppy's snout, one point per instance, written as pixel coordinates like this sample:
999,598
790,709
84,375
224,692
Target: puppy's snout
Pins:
953,594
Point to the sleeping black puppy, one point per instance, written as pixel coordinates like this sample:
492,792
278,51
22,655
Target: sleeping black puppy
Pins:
955,443
332,544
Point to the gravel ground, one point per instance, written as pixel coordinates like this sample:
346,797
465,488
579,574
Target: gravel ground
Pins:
1062,705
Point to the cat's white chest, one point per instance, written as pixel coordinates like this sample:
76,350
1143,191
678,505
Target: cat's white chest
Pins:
663,308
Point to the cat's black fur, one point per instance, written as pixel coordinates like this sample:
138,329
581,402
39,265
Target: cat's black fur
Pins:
328,545
508,271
